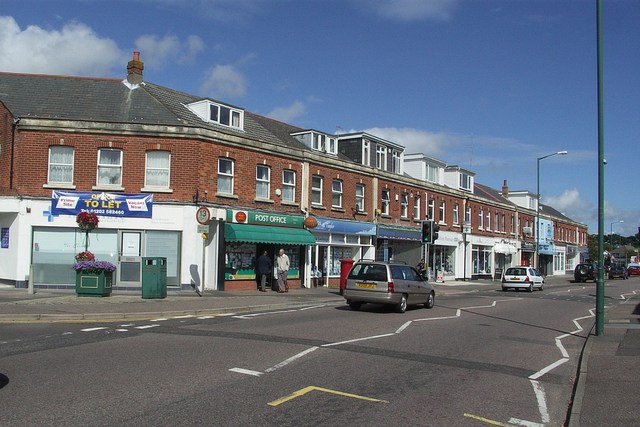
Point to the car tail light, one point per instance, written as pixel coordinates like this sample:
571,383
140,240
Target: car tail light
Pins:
526,279
390,287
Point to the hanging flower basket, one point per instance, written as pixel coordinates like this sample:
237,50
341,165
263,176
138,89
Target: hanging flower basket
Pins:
85,256
87,221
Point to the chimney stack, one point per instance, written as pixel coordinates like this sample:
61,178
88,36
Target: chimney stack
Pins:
134,69
505,190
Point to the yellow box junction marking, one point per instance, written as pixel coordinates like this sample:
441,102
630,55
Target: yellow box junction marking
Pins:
306,390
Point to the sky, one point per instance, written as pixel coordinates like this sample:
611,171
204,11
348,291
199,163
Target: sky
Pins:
488,85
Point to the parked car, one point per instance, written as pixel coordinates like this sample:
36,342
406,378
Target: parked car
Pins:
522,277
391,283
618,271
633,270
584,272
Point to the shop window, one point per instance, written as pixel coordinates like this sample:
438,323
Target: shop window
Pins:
336,255
60,165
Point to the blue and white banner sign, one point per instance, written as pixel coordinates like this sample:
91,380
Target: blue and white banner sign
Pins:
104,204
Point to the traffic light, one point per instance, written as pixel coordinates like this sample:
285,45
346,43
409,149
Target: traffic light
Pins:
434,232
427,230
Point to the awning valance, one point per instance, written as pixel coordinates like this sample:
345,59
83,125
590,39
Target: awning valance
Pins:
265,234
503,248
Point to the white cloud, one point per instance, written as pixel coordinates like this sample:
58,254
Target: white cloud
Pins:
74,50
288,114
224,81
573,205
414,10
156,51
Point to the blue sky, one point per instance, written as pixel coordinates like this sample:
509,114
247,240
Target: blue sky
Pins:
487,85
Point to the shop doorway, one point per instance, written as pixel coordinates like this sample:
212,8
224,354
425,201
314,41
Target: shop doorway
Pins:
130,258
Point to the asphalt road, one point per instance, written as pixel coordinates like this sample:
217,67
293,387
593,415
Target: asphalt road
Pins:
479,357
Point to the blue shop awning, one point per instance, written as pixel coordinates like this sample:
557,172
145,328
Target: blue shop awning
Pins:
265,234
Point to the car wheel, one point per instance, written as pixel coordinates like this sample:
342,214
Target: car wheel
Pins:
353,305
430,300
402,305
504,289
530,287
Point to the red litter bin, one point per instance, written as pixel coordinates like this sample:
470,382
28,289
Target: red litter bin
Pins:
345,268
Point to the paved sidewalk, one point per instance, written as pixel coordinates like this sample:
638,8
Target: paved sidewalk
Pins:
607,391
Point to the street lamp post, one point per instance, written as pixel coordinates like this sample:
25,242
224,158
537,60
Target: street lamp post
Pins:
562,153
611,232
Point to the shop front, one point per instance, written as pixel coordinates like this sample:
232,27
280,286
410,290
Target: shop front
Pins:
248,234
504,253
396,243
340,239
442,255
527,252
482,265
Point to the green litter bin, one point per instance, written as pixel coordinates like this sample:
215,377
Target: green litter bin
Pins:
154,277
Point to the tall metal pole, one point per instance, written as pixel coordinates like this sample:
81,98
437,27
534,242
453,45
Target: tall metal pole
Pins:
600,285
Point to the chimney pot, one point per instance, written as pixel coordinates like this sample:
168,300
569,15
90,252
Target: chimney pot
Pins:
505,189
134,69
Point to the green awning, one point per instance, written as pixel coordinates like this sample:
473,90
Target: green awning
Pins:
265,234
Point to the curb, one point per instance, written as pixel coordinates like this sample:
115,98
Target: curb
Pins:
115,317
578,396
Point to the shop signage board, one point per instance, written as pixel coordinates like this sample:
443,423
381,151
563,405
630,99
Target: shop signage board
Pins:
102,204
264,218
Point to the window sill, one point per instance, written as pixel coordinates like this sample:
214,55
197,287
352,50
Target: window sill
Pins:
156,190
227,196
336,209
288,203
260,200
318,207
107,188
59,185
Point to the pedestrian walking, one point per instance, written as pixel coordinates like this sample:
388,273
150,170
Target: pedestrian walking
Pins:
282,265
263,268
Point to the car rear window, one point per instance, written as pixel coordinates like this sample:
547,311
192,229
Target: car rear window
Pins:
373,272
516,272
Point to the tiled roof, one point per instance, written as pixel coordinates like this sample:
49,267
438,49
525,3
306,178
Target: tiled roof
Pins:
490,194
111,101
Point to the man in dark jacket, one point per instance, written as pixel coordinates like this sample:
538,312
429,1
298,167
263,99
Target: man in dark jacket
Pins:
263,268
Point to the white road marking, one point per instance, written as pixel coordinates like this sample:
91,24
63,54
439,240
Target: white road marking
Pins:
246,371
94,329
291,359
162,319
146,326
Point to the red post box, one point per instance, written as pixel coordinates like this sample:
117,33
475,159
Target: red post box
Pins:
345,268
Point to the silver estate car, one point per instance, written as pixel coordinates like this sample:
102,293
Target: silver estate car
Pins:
391,283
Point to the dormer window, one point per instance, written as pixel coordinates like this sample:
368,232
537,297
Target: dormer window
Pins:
465,182
318,141
220,114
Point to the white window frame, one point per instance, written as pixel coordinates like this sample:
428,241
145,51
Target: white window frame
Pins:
443,210
385,202
488,225
465,181
58,162
404,205
226,176
109,167
467,215
456,213
152,169
316,190
366,153
336,193
480,219
381,157
226,116
432,209
360,206
263,184
332,145
395,155
288,185
431,173
317,141
417,202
